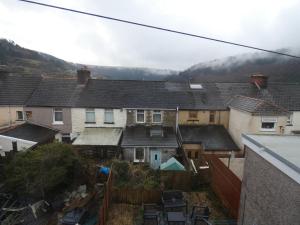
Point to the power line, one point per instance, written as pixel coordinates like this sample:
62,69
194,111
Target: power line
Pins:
160,28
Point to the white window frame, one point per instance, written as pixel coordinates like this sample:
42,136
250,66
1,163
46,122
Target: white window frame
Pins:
113,118
161,116
268,120
20,119
139,160
90,111
136,116
55,122
289,120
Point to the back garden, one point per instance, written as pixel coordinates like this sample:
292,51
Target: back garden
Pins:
55,180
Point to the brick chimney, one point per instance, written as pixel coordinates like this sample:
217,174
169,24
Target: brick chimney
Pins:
83,75
260,80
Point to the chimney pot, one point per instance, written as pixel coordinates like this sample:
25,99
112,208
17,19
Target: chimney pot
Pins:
83,75
259,80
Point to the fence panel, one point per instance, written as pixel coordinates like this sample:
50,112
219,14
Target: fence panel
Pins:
225,184
136,196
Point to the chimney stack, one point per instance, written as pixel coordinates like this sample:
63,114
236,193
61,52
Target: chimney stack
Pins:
260,80
83,75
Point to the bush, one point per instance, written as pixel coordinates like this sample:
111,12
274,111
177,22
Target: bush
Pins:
41,171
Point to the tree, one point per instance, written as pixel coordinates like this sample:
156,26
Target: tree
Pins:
41,171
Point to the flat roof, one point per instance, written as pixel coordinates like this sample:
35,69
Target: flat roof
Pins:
102,136
283,151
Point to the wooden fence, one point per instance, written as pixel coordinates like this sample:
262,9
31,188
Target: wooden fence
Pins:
136,196
103,211
225,184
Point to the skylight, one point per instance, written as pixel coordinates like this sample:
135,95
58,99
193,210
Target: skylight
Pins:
196,86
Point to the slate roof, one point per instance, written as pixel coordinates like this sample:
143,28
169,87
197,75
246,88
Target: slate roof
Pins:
16,89
140,136
31,132
212,137
285,95
61,92
256,106
148,94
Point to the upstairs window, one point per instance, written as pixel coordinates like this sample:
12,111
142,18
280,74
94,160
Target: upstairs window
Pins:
289,120
20,115
268,123
108,116
140,116
212,116
28,115
58,116
193,114
90,116
139,154
156,116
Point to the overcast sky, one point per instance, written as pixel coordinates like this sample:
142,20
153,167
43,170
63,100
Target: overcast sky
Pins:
271,24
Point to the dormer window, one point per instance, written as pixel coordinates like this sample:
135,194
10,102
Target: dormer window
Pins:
140,116
156,116
196,86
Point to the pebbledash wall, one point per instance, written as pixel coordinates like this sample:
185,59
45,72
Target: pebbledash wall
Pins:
8,115
44,116
268,196
168,118
79,119
245,123
202,117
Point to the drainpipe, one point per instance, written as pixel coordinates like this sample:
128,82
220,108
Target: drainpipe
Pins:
177,108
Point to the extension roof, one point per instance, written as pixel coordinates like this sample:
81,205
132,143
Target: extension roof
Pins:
212,137
16,89
285,95
140,136
31,132
256,106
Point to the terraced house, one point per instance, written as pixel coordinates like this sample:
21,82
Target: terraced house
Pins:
151,121
14,92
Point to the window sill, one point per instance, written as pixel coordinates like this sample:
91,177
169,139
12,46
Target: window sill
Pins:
57,123
90,122
140,122
139,161
267,130
109,123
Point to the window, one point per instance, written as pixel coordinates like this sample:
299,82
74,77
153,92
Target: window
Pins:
189,154
140,116
57,116
90,116
193,114
156,132
196,155
268,123
108,116
212,116
290,120
28,115
20,115
156,116
66,138
139,154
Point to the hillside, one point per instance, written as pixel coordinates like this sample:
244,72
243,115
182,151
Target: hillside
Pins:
21,60
239,68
